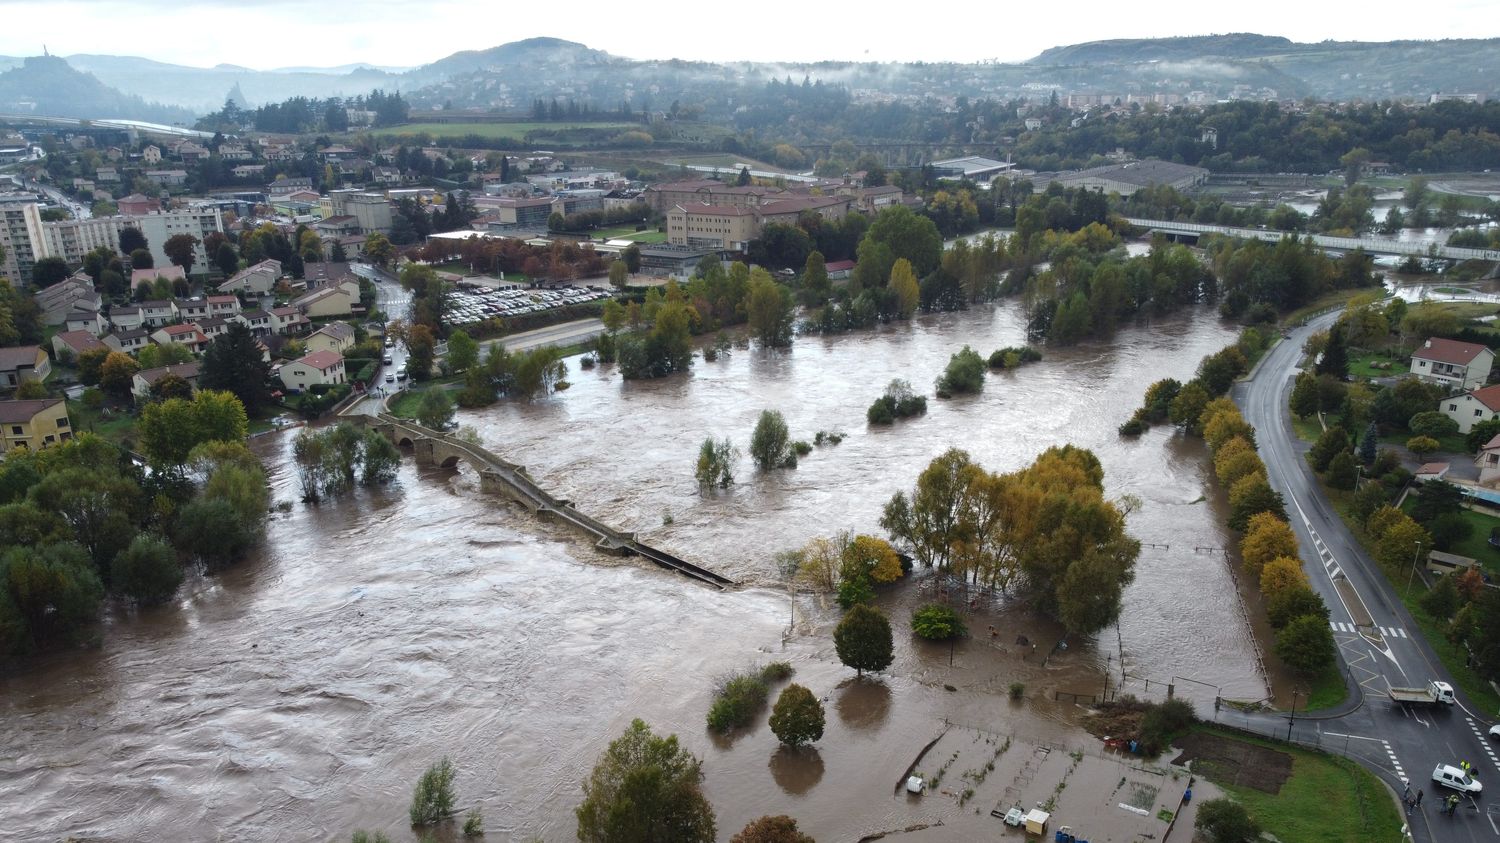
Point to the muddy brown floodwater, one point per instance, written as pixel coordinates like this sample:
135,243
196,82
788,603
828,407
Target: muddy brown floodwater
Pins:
298,696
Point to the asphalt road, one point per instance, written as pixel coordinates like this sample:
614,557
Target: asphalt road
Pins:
1378,641
564,334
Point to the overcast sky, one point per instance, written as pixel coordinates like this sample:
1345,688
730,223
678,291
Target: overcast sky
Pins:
267,34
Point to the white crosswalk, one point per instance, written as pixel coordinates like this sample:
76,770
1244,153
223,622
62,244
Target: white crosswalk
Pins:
1484,741
1395,762
1385,631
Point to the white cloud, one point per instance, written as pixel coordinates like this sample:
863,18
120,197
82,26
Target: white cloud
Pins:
278,33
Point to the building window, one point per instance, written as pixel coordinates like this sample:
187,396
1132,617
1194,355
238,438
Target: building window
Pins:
62,423
16,430
1452,407
1478,413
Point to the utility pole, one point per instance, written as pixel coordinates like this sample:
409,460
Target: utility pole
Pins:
1293,718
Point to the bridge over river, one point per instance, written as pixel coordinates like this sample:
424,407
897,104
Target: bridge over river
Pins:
1371,245
431,447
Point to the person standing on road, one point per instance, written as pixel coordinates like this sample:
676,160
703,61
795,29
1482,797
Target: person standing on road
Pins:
1419,798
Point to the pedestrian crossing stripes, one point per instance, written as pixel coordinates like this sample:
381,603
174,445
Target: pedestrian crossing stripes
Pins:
1484,741
1385,631
1395,762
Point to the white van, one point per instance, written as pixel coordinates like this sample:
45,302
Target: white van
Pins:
1452,777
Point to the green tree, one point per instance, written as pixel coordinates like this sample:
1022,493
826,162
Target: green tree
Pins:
770,443
1335,359
47,594
378,249
1432,423
863,639
1481,433
181,249
816,287
226,259
142,259
797,717
964,374
1225,821
1422,446
619,274
632,257
1332,442
132,241
1304,401
170,429
1187,407
614,315
1342,471
715,465
420,347
769,308
777,829
936,622
171,386
117,374
644,789
1250,496
432,797
153,356
1287,605
233,363
904,285
1306,645
436,409
211,532
48,271
147,571
905,234
463,351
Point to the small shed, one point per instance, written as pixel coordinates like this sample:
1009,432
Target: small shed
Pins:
1036,821
1440,563
1432,471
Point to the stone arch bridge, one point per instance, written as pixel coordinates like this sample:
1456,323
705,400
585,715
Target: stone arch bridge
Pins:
497,475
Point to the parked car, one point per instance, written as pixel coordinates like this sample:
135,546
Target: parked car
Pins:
390,378
1446,775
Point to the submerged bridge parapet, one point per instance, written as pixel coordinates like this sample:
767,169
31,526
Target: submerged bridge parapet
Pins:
498,475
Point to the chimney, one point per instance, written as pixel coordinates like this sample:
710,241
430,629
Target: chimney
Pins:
1427,344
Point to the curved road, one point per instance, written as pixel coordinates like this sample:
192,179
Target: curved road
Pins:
1378,641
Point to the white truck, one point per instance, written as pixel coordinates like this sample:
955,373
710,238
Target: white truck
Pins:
1432,693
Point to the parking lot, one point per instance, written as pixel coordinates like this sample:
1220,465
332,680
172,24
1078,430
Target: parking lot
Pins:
468,306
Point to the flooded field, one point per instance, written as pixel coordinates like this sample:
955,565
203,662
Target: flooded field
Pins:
300,695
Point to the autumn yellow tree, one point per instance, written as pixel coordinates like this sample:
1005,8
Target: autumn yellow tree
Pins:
904,284
1235,459
1280,574
875,557
1226,425
820,563
1266,538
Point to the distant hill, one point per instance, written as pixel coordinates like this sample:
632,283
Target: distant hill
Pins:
1130,50
49,86
533,53
202,88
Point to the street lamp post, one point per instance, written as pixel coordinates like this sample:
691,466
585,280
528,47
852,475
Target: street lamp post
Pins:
1415,555
1293,718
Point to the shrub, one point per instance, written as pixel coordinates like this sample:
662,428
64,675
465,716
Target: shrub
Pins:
1306,645
863,640
1017,690
1223,821
801,448
432,798
716,463
473,823
898,402
770,443
736,699
777,671
147,571
965,374
936,622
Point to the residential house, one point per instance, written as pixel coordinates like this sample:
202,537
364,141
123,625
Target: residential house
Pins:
155,313
282,187
336,299
73,343
107,175
247,171
234,152
336,226
140,385
190,152
335,336
127,318
1488,462
1453,364
257,280
1472,407
223,305
34,424
138,204
188,336
61,299
22,363
336,152
258,321
86,320
151,155
167,178
839,270
289,321
319,367
128,341
189,310
83,184
214,326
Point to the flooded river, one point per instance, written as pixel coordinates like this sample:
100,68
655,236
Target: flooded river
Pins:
298,696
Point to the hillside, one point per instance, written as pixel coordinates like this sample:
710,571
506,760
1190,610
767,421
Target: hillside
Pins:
47,85
1131,50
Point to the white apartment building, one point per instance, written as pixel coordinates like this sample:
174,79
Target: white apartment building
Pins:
72,239
20,227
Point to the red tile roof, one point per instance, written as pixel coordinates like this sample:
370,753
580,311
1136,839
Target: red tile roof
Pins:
1488,396
322,360
1449,351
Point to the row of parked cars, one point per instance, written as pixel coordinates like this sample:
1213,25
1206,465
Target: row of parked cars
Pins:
467,306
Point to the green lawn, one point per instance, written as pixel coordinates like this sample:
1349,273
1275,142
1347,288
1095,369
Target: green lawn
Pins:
1454,443
497,131
1360,363
1308,429
646,236
1327,799
117,426
1327,690
404,406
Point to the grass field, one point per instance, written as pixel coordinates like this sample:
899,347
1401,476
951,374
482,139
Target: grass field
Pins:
1326,799
496,131
1360,363
1326,691
118,426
